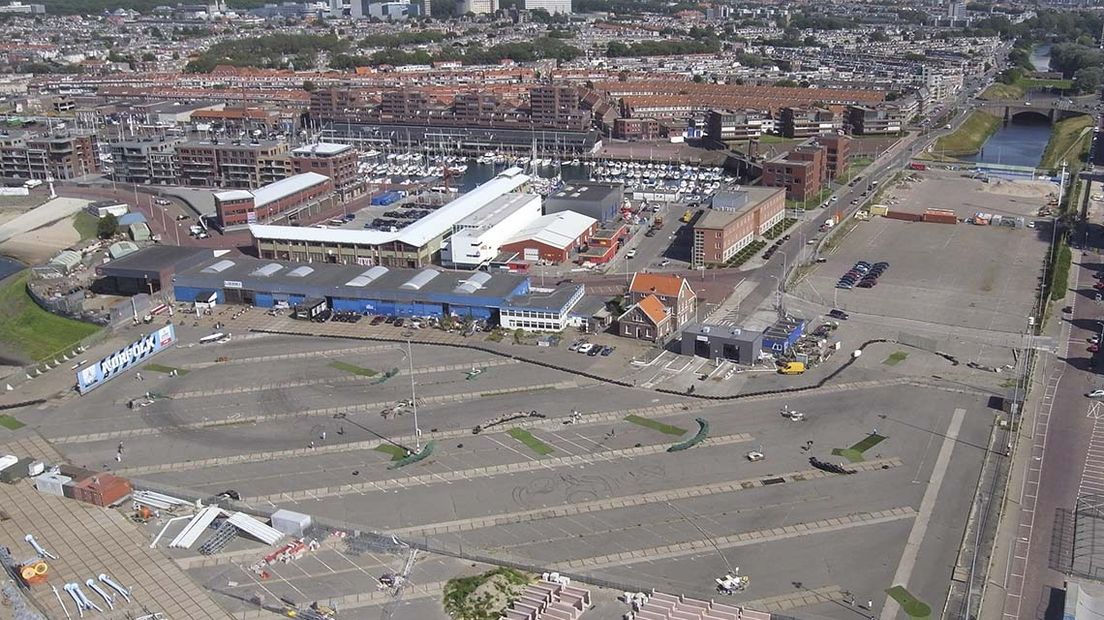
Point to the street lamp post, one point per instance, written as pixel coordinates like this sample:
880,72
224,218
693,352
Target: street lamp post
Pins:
414,399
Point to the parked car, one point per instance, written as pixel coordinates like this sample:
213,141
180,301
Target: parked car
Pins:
1098,393
606,351
399,322
595,350
836,313
584,348
390,320
574,345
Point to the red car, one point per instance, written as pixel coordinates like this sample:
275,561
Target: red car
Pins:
1093,348
1099,285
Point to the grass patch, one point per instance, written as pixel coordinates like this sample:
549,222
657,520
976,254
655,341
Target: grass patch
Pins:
353,369
32,331
776,231
773,139
538,388
1003,92
868,442
394,451
970,135
1048,83
854,167
666,429
485,596
165,369
914,607
531,442
1068,139
1060,259
855,452
745,254
496,335
853,456
895,358
86,224
10,423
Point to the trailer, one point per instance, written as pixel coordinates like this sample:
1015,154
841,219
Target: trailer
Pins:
310,309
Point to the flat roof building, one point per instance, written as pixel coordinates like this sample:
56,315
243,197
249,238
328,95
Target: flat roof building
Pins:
285,197
477,238
600,201
735,219
416,245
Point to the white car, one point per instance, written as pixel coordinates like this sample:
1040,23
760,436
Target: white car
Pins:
584,348
835,199
1096,394
631,253
665,262
755,455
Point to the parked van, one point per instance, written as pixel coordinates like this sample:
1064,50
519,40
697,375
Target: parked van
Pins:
792,368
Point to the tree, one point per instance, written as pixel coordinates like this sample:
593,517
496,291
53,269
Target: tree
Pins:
309,86
698,79
149,57
1088,79
107,226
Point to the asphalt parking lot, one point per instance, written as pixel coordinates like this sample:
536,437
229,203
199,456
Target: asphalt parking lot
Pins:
966,276
606,500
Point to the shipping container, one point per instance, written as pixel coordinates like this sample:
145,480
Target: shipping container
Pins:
75,473
102,490
940,218
901,215
878,209
52,484
918,166
7,461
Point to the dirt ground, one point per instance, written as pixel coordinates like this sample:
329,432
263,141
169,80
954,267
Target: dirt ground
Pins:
1023,189
41,244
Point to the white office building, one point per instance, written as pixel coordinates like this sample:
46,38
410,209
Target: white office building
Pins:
552,6
477,7
476,239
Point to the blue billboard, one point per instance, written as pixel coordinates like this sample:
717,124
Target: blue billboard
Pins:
91,377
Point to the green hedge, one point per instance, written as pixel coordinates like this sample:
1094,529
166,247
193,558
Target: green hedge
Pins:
1061,257
703,432
776,231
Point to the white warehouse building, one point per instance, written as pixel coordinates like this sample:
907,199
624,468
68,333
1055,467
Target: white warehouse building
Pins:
476,239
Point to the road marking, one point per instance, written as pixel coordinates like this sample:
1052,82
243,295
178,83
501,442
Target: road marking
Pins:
743,539
927,505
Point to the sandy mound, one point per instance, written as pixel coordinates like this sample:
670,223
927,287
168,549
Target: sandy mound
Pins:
1027,189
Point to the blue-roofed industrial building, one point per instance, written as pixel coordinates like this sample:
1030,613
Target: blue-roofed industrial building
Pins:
375,290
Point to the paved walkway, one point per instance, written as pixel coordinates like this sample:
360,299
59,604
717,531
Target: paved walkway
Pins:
927,505
91,540
742,539
614,503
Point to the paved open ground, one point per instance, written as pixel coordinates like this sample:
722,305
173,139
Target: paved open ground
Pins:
976,277
274,418
607,502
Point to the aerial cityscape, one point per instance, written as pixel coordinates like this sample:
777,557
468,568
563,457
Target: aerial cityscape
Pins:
552,309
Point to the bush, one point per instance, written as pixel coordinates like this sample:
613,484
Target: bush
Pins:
107,226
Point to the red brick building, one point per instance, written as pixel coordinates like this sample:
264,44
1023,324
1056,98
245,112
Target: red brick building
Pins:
241,207
337,161
802,171
553,237
734,221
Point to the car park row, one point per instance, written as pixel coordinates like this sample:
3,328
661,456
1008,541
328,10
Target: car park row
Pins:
862,275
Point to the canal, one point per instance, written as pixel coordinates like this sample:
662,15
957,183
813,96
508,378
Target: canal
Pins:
1019,143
